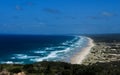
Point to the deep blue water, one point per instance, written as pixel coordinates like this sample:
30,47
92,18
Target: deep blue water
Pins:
24,49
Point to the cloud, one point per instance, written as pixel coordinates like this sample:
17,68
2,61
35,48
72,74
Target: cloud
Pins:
37,19
94,17
52,11
15,17
30,3
18,7
108,14
102,15
70,17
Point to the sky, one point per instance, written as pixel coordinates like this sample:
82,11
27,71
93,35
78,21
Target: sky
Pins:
59,16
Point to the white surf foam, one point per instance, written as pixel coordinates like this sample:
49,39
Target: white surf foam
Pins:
39,52
51,55
23,56
54,54
11,62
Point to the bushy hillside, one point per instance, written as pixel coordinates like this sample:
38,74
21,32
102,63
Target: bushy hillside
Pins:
61,68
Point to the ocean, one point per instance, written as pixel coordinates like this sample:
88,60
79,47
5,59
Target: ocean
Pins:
26,49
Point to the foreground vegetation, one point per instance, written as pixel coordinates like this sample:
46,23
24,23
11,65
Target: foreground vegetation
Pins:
61,68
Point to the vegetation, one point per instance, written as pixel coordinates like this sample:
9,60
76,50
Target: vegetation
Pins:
61,68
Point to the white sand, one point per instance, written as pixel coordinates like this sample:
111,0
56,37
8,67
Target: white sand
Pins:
79,57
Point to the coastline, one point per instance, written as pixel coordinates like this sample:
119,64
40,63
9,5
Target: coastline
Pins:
102,56
80,56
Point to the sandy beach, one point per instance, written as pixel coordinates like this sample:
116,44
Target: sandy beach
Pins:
79,57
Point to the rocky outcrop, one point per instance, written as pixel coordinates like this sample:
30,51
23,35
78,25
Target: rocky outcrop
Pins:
4,72
20,73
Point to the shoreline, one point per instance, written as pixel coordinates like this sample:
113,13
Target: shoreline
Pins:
80,56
